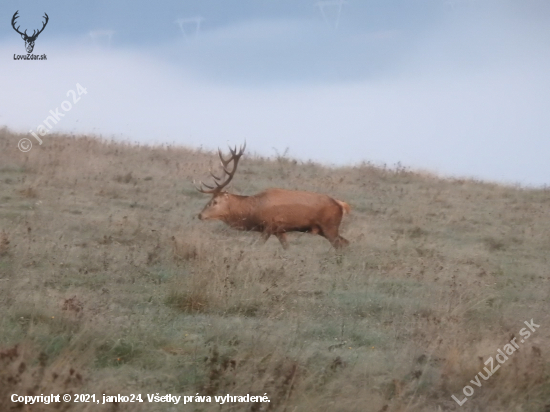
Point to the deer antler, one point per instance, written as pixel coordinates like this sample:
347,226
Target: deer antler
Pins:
43,26
15,16
235,156
34,33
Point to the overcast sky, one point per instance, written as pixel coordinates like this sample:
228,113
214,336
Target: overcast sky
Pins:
459,87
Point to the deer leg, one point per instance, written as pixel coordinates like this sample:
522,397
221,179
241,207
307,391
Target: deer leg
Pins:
265,236
340,242
316,230
334,238
282,238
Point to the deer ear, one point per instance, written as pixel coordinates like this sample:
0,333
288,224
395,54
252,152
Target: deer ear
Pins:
23,36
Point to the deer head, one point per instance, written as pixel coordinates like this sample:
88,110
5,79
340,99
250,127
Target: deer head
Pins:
216,207
29,40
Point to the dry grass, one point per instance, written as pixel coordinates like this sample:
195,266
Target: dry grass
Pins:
110,284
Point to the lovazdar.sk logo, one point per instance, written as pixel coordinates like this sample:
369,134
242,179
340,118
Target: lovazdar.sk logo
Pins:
29,40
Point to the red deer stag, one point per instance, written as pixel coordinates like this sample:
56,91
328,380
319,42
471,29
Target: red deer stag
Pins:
273,211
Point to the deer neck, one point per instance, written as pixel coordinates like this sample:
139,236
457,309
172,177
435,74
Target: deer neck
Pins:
239,211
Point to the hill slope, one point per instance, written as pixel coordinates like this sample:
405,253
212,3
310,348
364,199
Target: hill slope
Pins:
110,285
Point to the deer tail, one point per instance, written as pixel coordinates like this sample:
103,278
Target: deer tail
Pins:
345,207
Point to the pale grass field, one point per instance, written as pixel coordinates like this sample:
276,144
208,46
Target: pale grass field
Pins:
110,284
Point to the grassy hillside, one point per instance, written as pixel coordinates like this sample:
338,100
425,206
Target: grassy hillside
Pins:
109,284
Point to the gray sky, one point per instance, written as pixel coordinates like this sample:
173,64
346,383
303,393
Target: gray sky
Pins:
459,87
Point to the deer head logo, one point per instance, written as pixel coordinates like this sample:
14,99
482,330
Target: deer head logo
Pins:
29,40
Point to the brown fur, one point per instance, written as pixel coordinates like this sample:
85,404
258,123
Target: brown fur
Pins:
278,211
